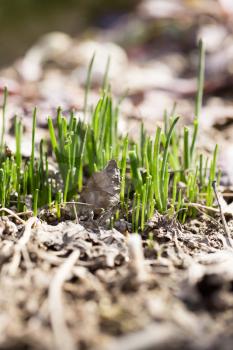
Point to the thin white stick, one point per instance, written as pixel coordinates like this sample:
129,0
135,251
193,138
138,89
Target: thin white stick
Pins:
62,337
225,226
75,213
13,214
21,245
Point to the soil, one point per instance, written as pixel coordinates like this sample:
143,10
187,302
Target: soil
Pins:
70,286
77,284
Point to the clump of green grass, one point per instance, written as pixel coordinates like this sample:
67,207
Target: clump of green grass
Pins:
164,173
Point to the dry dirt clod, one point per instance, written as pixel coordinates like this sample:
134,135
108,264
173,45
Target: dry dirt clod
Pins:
7,227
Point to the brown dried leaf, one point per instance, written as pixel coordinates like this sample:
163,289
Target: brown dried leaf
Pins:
103,188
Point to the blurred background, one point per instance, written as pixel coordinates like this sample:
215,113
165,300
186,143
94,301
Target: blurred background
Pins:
46,47
22,22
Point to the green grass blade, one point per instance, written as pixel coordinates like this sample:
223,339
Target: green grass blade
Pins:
165,158
123,170
18,140
194,139
156,169
186,149
135,171
67,185
35,202
32,159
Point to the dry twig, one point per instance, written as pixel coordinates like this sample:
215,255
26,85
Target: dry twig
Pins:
13,214
62,336
20,247
225,226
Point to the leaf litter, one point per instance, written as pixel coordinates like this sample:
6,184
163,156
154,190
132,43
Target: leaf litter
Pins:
80,287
